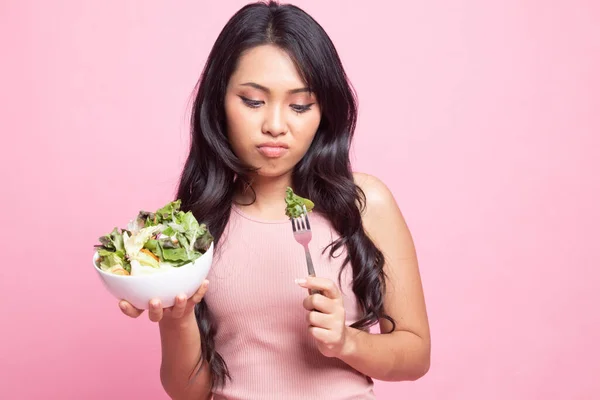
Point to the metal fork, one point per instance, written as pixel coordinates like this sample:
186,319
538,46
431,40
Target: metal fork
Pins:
303,235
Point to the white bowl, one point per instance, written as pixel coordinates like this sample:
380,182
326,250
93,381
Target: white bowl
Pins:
165,285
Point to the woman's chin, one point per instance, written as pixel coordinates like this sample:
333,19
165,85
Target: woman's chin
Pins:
271,172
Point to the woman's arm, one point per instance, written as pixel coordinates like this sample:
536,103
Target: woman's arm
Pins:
403,354
180,343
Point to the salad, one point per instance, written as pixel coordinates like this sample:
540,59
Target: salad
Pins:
154,242
295,204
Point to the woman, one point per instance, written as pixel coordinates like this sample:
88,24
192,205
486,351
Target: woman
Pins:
274,109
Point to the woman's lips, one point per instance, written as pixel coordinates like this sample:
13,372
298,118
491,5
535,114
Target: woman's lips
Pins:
272,150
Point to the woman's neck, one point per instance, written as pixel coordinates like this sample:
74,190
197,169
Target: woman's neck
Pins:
265,197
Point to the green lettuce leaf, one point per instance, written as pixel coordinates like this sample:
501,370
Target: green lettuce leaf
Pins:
175,227
154,246
133,244
113,241
146,259
112,251
295,204
183,242
167,213
109,260
180,256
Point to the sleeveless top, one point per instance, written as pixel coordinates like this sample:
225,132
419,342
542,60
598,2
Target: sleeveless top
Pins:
261,328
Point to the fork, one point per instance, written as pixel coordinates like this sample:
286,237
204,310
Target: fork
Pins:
303,235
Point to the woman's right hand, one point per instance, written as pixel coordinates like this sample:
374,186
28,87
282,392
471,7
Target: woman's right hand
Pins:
182,308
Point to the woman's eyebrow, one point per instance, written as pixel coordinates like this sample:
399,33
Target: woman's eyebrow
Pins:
267,90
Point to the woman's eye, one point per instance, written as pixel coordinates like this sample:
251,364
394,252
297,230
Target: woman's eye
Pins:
251,103
300,108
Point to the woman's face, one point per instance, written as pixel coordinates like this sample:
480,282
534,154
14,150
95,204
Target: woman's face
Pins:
271,117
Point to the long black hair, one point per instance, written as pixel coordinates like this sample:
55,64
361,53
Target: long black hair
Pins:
212,171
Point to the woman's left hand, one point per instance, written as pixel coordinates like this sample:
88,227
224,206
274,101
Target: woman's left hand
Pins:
326,316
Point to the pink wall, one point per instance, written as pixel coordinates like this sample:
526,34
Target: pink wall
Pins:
482,117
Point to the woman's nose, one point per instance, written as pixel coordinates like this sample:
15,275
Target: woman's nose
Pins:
274,123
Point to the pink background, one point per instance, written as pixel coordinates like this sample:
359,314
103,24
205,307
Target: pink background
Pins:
482,117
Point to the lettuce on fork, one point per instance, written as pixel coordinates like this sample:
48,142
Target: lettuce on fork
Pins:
294,204
153,242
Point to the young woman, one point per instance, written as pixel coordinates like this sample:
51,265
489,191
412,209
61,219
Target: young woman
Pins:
274,109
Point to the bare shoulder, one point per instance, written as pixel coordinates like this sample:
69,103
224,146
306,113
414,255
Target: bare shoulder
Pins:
382,219
379,198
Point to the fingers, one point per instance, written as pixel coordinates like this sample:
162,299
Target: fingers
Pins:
325,336
155,312
197,297
326,286
320,303
179,308
129,310
320,320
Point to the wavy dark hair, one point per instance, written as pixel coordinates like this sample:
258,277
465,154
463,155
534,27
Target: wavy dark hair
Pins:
212,171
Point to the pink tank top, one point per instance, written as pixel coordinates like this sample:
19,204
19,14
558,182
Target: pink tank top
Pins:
261,328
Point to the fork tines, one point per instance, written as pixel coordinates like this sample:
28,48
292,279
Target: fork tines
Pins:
301,223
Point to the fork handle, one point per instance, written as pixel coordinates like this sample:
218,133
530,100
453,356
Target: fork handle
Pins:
309,263
311,270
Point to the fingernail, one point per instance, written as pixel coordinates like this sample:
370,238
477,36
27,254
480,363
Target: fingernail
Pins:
154,304
300,281
122,306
